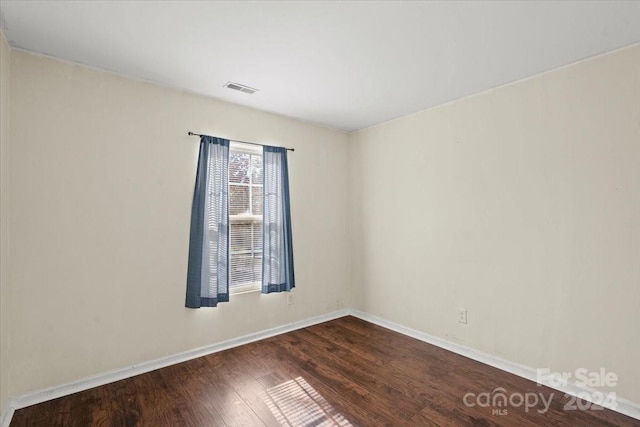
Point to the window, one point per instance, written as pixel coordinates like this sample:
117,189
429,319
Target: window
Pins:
245,217
227,218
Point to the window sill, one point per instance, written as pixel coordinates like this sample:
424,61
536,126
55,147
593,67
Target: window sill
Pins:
245,289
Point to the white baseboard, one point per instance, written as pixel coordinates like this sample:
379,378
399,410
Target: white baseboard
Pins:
622,406
141,368
7,414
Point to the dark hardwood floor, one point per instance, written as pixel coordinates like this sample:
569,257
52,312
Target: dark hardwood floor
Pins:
345,372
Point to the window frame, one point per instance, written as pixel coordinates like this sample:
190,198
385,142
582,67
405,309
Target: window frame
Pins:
241,148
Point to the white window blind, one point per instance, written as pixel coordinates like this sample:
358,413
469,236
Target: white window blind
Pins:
245,216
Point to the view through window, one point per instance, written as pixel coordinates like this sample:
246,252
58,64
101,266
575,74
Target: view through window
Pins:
245,217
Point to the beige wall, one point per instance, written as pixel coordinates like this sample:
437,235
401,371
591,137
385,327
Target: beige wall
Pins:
522,205
5,60
102,174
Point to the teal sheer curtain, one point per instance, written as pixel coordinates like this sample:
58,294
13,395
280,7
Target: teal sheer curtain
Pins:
208,268
277,252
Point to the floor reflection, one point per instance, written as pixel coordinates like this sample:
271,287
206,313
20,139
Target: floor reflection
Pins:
295,403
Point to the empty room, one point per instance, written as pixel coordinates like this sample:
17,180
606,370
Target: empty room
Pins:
319,213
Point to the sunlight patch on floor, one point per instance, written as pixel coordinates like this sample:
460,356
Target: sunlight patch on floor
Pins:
295,403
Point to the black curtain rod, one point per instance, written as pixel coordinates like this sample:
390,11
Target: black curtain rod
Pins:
235,140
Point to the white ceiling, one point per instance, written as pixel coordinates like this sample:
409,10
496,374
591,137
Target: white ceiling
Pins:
347,65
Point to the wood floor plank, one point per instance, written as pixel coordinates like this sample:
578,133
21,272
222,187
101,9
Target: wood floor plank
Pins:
212,391
284,368
335,381
346,372
386,398
405,400
240,373
186,401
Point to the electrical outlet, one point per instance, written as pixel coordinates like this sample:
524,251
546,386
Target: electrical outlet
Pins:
462,315
339,303
289,298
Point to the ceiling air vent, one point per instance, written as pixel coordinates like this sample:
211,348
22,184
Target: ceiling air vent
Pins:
241,88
